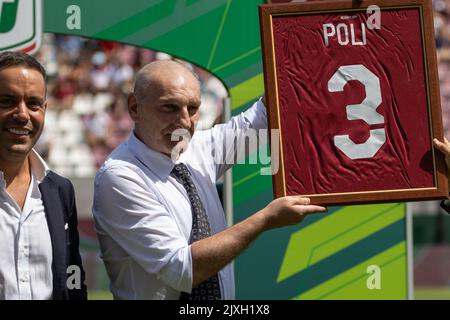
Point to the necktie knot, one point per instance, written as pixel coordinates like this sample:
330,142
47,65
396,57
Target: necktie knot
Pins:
180,169
181,173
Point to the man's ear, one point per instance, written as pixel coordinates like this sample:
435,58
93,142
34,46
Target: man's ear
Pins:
132,107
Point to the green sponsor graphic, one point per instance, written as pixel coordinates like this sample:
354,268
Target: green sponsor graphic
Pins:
334,233
352,283
247,91
304,258
325,257
8,9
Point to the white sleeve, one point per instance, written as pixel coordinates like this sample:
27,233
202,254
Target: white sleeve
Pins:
131,214
229,139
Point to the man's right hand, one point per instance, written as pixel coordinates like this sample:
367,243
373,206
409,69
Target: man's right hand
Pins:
211,254
444,147
288,211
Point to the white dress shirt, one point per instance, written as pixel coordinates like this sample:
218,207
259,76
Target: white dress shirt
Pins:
143,215
25,244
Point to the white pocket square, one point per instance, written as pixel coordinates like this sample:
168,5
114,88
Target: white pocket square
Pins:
66,226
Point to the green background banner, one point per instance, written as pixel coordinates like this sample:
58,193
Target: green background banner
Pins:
327,256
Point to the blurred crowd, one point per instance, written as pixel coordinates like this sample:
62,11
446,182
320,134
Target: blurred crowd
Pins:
87,87
442,33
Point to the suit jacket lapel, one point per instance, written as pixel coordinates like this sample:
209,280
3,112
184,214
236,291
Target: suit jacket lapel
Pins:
55,220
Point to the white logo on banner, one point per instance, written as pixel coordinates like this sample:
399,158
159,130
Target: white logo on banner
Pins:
20,25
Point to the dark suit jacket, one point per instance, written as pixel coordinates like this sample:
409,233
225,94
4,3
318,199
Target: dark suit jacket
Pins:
58,197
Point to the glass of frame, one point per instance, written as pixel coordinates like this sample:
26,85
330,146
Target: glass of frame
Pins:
354,92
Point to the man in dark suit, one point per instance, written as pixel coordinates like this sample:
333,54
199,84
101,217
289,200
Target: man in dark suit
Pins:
39,240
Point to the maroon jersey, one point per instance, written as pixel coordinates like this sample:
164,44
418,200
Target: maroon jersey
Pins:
353,108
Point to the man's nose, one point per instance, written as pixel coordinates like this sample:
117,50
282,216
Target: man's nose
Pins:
184,119
21,113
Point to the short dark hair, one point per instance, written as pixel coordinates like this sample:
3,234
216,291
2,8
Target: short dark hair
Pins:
10,59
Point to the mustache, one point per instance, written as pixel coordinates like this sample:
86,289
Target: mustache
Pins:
15,122
182,133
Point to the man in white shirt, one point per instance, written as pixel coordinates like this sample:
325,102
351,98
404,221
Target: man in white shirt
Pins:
38,218
158,216
444,147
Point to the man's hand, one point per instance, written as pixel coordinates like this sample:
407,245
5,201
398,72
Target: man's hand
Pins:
288,211
444,147
211,254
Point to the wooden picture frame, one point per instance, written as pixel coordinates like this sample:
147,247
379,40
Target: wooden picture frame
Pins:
356,106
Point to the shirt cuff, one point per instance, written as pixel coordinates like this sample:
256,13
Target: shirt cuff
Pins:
257,115
178,272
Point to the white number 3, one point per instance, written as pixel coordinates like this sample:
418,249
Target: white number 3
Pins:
366,111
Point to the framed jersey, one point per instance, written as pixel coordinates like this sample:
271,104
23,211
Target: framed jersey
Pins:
352,87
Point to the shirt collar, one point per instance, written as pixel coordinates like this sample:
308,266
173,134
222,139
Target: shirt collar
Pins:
39,168
157,162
